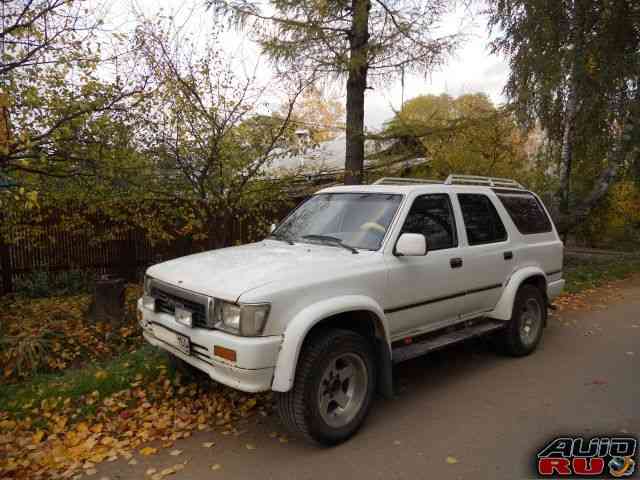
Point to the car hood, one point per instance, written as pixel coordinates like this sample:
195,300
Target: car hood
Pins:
228,273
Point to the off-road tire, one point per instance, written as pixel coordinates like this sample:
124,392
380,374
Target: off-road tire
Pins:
299,408
510,340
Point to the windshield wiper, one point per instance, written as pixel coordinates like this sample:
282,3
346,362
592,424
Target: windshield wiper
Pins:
282,238
333,240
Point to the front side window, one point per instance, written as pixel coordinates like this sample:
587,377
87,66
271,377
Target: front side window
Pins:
358,220
481,220
526,212
432,216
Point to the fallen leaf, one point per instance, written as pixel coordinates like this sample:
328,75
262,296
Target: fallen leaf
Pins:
208,444
146,451
91,471
38,436
452,460
133,461
151,471
250,446
215,467
175,453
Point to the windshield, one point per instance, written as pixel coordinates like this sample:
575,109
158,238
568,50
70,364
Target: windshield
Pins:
358,220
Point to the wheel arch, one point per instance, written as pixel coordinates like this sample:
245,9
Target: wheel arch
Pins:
528,275
357,313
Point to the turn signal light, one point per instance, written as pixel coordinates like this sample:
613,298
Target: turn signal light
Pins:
225,353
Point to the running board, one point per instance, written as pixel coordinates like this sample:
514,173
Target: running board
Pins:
438,341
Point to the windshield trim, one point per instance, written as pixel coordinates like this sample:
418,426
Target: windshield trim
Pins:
384,240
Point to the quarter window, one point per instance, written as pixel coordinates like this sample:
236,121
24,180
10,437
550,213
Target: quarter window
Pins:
526,212
432,216
481,220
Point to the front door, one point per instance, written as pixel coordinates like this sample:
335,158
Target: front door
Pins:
427,292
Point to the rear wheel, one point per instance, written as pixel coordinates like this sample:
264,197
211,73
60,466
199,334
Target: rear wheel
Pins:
333,389
524,331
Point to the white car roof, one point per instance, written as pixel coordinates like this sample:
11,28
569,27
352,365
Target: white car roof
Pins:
407,189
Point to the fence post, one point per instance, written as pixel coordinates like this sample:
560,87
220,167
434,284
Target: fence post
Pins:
5,265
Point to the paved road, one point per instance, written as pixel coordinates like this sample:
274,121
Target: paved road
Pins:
489,412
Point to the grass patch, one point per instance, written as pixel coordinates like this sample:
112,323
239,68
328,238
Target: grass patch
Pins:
583,273
91,383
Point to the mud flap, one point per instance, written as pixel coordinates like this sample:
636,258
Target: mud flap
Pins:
385,369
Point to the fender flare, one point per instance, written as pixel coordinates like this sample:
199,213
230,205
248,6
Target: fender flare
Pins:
305,320
504,307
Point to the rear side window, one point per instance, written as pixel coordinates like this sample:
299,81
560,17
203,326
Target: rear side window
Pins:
526,212
481,220
432,216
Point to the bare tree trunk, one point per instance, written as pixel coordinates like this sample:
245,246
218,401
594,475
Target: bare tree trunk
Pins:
566,156
356,86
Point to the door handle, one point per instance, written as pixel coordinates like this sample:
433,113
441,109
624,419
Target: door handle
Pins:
455,262
508,255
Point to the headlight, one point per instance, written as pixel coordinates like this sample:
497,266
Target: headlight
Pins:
245,319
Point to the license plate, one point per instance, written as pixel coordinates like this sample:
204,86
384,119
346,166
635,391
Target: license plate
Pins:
177,340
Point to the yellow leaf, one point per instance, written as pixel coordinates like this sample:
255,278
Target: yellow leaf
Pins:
215,467
38,436
146,451
101,375
208,444
175,453
452,460
250,446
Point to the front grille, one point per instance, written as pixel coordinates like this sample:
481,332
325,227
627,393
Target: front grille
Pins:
166,302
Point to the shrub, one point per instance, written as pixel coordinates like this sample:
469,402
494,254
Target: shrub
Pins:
26,352
43,283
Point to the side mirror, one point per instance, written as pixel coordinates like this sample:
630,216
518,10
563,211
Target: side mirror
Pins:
411,245
272,228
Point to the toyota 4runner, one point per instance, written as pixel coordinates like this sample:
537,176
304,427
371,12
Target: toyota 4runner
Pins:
354,280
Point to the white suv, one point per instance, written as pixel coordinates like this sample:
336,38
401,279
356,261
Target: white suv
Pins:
358,278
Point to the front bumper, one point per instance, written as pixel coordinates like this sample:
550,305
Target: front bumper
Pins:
554,288
256,357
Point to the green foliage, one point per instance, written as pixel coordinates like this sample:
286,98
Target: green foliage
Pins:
591,48
44,283
615,224
582,272
119,373
464,135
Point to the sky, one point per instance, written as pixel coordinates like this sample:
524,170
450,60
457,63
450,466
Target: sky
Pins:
472,69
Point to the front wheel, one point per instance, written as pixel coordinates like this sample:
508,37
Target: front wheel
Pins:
524,331
333,389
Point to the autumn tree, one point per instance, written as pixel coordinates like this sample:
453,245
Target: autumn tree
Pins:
318,112
60,86
209,136
575,68
466,135
364,41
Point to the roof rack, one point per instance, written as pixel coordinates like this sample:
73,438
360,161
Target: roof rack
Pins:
495,182
486,181
405,181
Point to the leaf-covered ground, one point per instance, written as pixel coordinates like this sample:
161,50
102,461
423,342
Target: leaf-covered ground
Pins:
102,394
52,335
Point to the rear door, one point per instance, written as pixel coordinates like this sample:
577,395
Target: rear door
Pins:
487,257
427,291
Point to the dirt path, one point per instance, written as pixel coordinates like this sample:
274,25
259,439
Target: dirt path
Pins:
487,412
